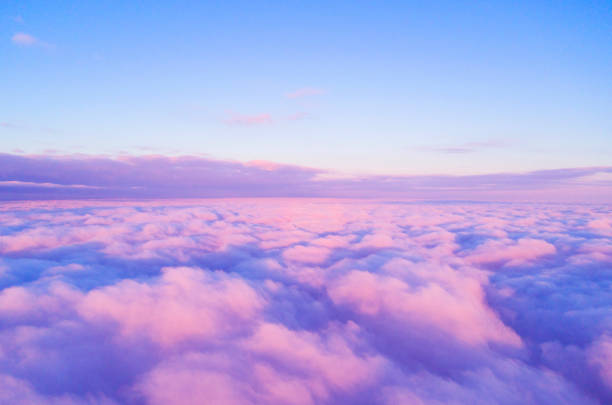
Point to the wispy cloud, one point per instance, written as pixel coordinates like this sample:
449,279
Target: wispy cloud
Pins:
467,147
16,183
305,92
23,39
249,120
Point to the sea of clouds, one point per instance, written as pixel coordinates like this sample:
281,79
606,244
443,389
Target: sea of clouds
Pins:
296,301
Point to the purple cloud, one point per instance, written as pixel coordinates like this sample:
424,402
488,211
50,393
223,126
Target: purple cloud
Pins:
69,177
304,301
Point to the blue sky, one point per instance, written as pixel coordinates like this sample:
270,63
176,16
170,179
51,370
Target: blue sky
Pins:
386,87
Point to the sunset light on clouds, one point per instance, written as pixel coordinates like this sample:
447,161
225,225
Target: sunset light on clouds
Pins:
303,203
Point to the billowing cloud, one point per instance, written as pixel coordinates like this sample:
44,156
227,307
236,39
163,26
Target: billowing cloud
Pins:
183,304
304,301
67,177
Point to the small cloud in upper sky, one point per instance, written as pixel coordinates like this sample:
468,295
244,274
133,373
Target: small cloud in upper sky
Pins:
249,120
468,147
18,19
305,92
23,39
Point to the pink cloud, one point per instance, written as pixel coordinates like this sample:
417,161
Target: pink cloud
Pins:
326,359
307,254
600,356
184,303
264,164
334,241
249,120
512,253
456,308
303,301
285,367
23,39
180,381
305,92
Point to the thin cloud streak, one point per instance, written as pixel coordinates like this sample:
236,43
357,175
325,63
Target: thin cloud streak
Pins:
305,92
249,120
468,147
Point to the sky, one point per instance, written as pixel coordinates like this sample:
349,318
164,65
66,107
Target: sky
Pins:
305,202
355,88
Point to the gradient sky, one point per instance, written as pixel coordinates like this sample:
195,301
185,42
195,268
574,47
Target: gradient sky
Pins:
361,87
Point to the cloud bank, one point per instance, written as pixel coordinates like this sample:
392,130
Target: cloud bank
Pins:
304,301
25,177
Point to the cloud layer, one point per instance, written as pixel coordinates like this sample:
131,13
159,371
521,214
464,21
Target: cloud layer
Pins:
24,177
297,301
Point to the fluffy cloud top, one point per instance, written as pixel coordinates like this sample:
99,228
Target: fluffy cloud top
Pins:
304,302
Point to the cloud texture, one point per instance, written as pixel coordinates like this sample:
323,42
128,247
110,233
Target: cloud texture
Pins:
298,301
25,177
